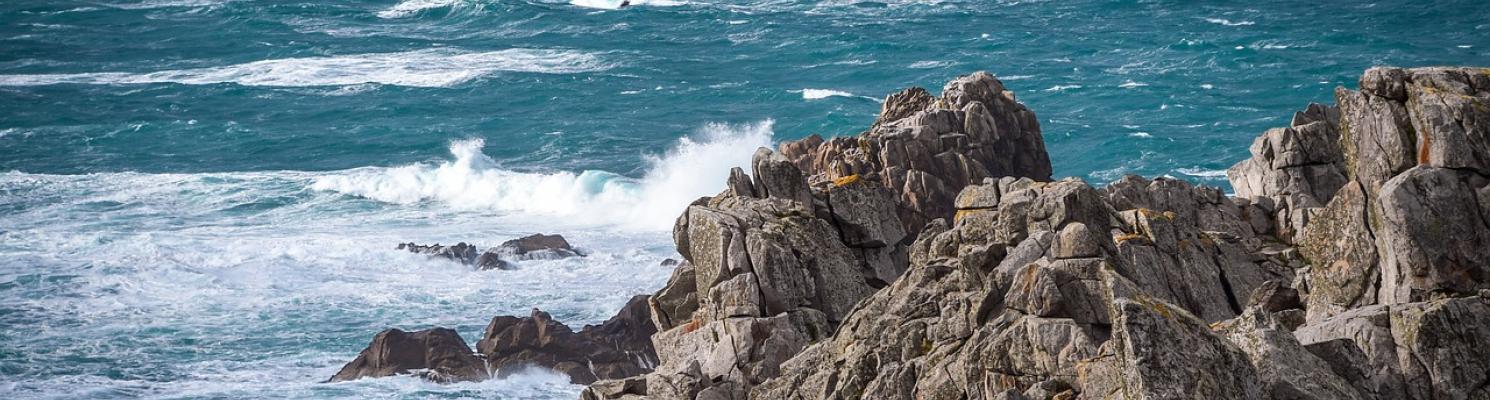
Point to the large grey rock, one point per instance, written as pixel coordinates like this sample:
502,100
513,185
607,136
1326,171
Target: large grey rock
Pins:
1286,369
1160,351
1341,248
1422,350
865,215
1433,237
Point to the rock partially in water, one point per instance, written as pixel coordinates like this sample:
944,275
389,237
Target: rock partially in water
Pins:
436,354
532,247
619,348
537,246
461,252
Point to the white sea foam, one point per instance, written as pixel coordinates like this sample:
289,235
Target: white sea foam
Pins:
1140,135
245,284
1131,84
472,181
1227,22
420,68
928,64
1204,173
1062,88
408,8
817,94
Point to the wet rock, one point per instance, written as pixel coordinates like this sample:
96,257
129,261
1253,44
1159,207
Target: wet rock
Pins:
461,252
436,354
619,348
537,246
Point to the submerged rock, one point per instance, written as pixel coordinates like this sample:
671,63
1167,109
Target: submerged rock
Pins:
436,354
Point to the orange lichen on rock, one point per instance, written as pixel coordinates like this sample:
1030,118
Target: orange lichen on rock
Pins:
847,180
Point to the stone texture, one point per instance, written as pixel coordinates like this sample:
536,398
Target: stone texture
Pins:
619,348
1350,265
436,354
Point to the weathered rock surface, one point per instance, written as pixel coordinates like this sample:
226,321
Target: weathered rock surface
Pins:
1409,222
780,258
1351,264
925,149
619,348
437,354
1018,294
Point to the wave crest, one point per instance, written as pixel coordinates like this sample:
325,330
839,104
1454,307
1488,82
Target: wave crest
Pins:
472,180
420,68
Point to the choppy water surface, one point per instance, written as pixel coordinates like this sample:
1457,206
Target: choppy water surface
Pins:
200,198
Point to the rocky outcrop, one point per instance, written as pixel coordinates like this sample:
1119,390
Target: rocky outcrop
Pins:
780,258
1409,222
532,247
1350,264
924,149
619,348
437,354
1053,285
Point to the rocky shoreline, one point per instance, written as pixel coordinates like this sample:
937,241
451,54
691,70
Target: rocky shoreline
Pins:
933,257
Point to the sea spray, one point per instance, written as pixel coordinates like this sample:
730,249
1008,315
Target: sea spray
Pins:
694,167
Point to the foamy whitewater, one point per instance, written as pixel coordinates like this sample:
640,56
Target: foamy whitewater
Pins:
225,258
420,68
201,199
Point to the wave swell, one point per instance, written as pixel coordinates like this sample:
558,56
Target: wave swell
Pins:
420,68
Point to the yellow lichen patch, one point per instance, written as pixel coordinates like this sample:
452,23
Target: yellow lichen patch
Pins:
1162,309
847,180
1170,215
1126,237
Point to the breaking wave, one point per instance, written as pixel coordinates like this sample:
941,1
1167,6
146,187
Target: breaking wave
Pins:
420,68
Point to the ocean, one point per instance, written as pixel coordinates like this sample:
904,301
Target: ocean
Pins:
201,198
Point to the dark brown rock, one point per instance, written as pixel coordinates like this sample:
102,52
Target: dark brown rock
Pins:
436,354
619,348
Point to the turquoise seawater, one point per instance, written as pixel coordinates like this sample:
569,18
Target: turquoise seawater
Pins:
200,198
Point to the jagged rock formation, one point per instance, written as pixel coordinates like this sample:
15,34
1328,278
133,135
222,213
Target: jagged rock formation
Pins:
779,259
925,149
1411,219
621,347
1351,265
537,246
618,348
437,354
